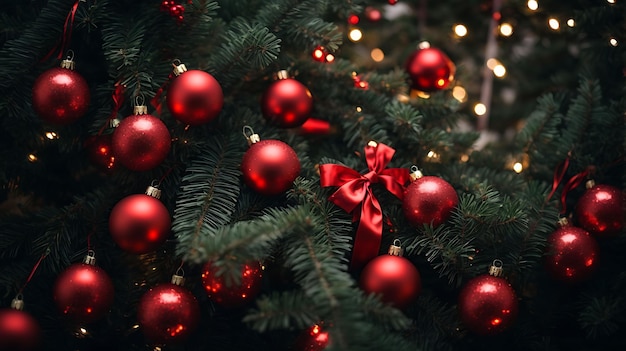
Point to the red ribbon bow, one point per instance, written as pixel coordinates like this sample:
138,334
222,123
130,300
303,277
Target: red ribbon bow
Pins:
355,196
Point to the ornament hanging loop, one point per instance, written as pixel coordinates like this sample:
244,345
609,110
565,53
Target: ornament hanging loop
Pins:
496,268
250,135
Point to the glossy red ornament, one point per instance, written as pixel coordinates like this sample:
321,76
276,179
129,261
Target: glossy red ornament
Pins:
601,210
270,167
100,151
168,313
83,293
141,142
428,200
312,339
487,305
139,223
61,95
393,277
235,295
194,97
19,331
430,69
287,103
572,254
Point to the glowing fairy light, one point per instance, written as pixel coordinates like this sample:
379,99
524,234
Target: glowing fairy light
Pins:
460,30
506,29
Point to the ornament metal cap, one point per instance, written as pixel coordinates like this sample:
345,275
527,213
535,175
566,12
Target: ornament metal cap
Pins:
372,143
563,221
90,258
153,190
415,173
250,135
178,279
114,122
282,74
68,62
140,110
590,184
17,303
496,268
395,249
179,68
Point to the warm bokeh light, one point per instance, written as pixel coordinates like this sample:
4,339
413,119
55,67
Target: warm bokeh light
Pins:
52,135
330,58
554,23
355,35
377,55
571,22
423,45
610,1
459,93
32,157
359,109
499,71
613,42
492,63
460,30
533,5
518,167
480,109
506,29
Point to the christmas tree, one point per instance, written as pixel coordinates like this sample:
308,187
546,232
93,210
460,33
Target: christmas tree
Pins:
312,175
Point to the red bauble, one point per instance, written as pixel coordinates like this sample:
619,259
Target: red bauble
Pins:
429,200
430,69
233,296
487,305
373,14
313,339
139,223
83,293
60,96
100,151
19,331
141,142
600,211
572,254
287,103
270,167
394,278
195,98
168,313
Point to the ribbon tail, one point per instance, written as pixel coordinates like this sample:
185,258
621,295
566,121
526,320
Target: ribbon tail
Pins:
369,233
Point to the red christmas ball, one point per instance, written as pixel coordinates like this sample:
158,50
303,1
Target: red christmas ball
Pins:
83,293
195,98
270,167
313,339
600,211
60,96
141,142
233,296
19,331
139,223
572,254
287,103
168,313
394,278
100,151
430,69
429,200
487,305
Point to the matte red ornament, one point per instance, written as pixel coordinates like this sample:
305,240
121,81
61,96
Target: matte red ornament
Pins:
601,210
312,339
139,223
100,151
428,200
287,103
83,292
233,295
61,95
393,277
430,69
487,305
194,97
141,141
168,313
19,331
572,254
269,167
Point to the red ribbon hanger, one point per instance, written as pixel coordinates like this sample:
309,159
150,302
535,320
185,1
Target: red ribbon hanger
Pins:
355,196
